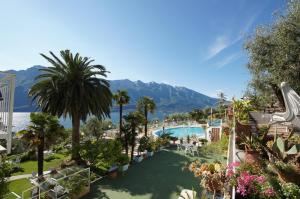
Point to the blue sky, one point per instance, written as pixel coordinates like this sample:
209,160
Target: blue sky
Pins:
192,43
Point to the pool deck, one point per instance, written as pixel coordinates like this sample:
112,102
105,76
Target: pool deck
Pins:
158,177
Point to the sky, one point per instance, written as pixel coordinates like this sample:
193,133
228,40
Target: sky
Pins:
191,43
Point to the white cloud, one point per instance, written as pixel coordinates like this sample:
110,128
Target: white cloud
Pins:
223,42
228,60
218,45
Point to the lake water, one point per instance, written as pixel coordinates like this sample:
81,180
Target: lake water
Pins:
22,119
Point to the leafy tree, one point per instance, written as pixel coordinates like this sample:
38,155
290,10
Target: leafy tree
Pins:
145,105
274,53
122,98
95,127
73,87
42,131
133,120
198,115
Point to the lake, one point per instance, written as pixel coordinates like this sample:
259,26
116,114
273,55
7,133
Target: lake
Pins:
22,119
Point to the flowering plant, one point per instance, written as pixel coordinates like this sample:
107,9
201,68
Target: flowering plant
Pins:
212,175
290,190
249,185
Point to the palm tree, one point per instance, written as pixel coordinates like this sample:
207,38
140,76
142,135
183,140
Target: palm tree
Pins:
72,87
145,105
42,131
133,120
222,99
122,98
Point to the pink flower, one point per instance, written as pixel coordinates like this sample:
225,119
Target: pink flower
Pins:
242,190
269,192
261,179
230,172
233,164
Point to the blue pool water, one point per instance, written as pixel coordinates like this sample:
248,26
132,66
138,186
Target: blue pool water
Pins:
182,132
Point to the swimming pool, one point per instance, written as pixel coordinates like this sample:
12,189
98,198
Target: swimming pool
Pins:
182,132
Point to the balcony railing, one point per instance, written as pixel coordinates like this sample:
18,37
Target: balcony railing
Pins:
7,89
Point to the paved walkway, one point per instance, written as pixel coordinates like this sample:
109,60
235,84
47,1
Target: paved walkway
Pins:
18,177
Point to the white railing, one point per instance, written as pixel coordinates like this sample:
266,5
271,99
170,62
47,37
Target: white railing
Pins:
7,89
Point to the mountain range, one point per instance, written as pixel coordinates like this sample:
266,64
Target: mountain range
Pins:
168,98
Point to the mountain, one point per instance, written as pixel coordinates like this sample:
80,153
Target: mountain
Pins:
168,98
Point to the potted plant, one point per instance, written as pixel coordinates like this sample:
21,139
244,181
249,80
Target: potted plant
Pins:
138,158
150,148
285,167
174,139
124,162
251,149
113,172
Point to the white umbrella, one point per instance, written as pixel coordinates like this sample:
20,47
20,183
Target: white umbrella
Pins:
292,105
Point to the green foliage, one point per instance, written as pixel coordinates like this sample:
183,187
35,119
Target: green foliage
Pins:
101,154
94,127
290,190
123,159
51,157
72,87
241,109
144,142
182,116
144,106
5,171
41,133
121,97
251,143
280,147
198,115
218,147
274,55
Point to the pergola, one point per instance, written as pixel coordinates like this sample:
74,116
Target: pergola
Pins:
7,89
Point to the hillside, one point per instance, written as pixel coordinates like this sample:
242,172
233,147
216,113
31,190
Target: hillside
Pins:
168,98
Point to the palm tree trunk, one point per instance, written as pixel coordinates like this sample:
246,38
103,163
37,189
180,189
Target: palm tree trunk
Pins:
126,142
40,154
75,137
120,124
132,143
146,120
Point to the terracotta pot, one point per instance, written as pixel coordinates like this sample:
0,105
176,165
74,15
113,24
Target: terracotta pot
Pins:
113,174
252,157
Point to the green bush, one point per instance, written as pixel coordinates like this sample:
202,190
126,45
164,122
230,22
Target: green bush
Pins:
123,159
51,157
5,171
101,154
30,155
216,147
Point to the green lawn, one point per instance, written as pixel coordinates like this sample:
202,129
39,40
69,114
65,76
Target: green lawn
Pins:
158,177
18,186
30,166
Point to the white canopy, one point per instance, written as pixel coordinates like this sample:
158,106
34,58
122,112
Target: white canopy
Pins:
2,149
292,105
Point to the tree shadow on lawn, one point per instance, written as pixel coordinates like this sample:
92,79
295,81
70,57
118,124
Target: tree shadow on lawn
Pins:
158,177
